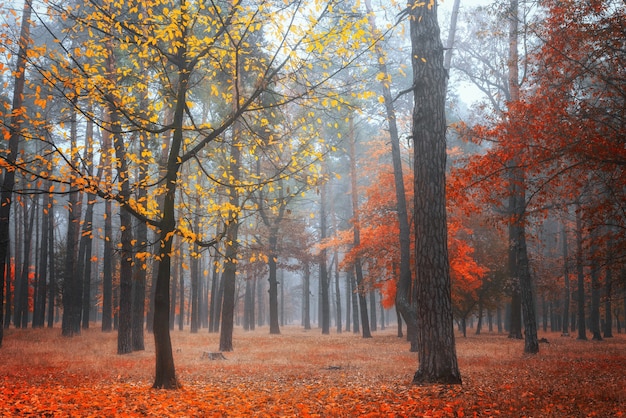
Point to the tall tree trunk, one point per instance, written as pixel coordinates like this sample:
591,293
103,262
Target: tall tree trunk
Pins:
435,328
229,275
165,376
124,334
354,301
86,237
348,301
21,298
567,290
582,328
174,295
405,301
337,294
181,295
324,279
518,253
608,294
107,254
358,269
306,296
215,301
594,315
39,314
273,280
52,285
8,182
72,293
194,271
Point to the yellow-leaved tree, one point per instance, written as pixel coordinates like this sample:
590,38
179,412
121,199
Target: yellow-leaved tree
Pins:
182,87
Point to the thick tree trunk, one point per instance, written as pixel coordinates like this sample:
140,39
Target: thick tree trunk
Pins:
229,277
232,248
435,328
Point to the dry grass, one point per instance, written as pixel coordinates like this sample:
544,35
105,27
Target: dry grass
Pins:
302,373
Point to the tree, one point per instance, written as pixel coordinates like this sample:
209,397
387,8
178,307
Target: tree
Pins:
435,331
404,301
12,132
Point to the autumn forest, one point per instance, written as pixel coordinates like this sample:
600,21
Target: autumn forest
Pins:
432,185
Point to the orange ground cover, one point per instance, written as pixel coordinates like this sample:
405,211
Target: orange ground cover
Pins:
304,374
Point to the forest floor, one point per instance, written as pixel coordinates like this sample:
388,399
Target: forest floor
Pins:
303,373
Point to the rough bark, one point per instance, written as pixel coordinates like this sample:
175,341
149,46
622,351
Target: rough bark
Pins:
435,328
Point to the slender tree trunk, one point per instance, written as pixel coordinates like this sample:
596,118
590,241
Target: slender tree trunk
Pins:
174,296
435,328
195,294
21,299
348,301
567,291
608,294
273,280
355,302
306,296
86,237
324,280
594,317
358,269
52,285
404,298
72,293
582,330
337,294
39,314
181,296
214,301
373,318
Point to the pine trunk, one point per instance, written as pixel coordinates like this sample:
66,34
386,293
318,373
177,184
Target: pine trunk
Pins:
435,328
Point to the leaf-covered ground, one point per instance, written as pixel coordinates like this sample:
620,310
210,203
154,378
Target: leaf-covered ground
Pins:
304,374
